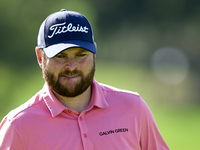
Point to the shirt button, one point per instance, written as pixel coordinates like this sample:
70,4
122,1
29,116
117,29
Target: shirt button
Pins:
85,135
69,111
80,118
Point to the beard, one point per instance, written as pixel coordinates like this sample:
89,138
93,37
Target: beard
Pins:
63,90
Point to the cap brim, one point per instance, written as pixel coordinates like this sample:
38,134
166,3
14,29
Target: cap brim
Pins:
53,50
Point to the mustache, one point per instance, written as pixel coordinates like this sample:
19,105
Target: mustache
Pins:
70,73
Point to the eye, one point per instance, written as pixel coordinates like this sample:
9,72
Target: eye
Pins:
59,56
81,55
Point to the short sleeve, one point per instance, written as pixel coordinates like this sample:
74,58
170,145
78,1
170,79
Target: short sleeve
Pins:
9,138
150,137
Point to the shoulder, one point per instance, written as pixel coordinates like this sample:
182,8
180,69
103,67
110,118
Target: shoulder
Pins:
124,101
24,109
116,95
114,90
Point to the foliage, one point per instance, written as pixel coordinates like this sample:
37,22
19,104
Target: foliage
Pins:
138,28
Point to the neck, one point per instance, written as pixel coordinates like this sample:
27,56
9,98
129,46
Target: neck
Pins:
78,103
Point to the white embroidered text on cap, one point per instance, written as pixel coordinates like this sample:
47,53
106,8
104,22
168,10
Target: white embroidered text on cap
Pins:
61,28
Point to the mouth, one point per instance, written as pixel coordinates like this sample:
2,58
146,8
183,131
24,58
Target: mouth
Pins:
70,76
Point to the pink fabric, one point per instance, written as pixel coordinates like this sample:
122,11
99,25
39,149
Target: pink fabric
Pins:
115,120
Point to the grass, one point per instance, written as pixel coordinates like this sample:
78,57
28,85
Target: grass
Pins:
177,119
179,127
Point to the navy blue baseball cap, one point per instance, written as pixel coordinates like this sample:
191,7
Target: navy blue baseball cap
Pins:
63,30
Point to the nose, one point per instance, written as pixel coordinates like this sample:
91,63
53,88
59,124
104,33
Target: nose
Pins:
71,64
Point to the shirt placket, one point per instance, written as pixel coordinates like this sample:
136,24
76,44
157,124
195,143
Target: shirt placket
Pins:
87,145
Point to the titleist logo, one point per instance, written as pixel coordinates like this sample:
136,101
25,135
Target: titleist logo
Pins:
62,28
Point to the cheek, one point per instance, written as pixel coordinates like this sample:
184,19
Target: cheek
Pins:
87,64
52,68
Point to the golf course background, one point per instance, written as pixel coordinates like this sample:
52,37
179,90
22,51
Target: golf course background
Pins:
149,47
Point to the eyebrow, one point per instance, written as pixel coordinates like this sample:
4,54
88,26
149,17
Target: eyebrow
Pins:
78,52
82,50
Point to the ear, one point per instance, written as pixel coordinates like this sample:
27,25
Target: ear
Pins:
96,48
95,44
39,56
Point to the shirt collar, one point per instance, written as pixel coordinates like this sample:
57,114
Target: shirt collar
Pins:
53,104
56,107
98,98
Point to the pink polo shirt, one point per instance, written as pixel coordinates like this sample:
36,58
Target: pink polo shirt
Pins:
114,120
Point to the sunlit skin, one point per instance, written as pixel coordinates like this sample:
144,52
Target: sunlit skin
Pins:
76,61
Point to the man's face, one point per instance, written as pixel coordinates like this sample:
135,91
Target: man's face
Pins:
70,72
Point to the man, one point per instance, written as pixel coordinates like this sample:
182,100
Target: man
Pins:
73,111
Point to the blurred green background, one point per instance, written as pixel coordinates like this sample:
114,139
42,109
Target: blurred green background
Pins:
150,47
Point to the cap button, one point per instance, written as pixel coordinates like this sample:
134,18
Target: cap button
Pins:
63,10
